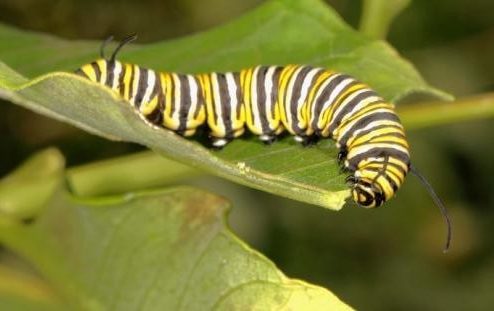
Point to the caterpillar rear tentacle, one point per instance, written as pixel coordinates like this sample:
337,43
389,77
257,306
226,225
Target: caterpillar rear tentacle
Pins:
310,103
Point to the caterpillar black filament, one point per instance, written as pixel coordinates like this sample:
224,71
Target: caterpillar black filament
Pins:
306,101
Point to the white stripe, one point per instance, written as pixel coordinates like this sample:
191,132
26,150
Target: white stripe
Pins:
268,90
232,91
117,70
306,85
193,100
254,102
176,100
149,86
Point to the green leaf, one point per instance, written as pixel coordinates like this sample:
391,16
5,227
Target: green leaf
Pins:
162,250
277,32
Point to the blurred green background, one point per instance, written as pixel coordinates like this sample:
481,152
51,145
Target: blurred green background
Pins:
385,259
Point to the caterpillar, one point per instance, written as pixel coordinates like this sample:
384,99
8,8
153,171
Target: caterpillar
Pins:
309,102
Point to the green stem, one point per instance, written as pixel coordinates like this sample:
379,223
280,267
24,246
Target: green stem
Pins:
427,114
148,169
377,16
127,173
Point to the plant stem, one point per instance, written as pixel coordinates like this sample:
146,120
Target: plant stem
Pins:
427,114
127,173
377,16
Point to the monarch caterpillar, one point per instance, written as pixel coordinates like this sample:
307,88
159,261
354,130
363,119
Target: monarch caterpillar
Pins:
308,102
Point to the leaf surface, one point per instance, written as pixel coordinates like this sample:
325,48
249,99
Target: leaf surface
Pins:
166,249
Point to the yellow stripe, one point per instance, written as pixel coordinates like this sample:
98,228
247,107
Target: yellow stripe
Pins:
168,85
246,77
127,79
359,139
217,126
206,87
89,71
149,107
104,72
396,174
135,82
399,162
385,186
285,76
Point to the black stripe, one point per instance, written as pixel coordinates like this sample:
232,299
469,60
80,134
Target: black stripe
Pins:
142,86
275,90
97,71
185,103
261,99
161,98
225,104
121,85
296,96
81,73
110,68
156,116
172,92
200,97
238,93
131,82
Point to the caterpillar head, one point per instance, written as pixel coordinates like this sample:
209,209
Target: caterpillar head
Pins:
377,179
366,193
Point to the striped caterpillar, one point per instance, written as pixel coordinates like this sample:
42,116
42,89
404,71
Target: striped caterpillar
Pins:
308,102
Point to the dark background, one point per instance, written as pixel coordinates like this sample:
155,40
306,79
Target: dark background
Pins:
385,259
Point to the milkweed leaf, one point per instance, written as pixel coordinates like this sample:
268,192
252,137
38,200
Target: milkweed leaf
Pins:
277,32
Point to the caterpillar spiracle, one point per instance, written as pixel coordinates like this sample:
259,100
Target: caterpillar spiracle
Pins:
308,102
